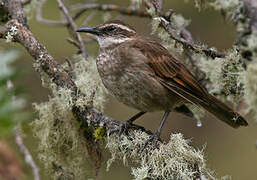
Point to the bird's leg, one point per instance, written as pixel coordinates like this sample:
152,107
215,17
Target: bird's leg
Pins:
156,135
125,125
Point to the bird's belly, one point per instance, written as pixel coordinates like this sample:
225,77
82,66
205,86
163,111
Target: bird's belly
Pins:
137,88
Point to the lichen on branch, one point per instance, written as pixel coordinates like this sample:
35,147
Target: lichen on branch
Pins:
173,160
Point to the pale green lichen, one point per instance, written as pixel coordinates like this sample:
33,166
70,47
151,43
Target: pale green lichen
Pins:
226,5
11,33
155,24
89,82
250,79
212,68
179,21
252,43
176,49
231,8
60,141
225,74
174,160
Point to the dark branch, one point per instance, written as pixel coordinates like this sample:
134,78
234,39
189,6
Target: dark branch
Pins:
158,4
184,37
15,10
58,75
73,27
248,18
130,11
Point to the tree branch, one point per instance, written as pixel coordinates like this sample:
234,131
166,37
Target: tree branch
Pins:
39,16
28,156
130,11
184,37
73,27
63,79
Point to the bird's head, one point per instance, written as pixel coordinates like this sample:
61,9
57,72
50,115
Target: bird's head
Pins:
110,33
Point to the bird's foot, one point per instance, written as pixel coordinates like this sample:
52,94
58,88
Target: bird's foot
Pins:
152,140
123,128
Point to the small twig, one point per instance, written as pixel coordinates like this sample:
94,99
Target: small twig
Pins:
131,11
27,154
158,4
71,66
73,27
26,2
42,20
19,15
75,43
89,18
178,37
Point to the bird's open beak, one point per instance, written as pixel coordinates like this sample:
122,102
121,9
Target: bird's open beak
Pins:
91,30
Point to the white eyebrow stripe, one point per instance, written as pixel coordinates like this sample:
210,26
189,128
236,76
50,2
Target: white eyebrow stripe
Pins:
119,26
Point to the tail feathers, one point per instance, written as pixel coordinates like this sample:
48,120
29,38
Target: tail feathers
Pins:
224,112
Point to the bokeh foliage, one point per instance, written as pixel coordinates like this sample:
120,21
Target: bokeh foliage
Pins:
11,104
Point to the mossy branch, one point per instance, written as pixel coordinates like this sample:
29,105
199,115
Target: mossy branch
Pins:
190,163
58,75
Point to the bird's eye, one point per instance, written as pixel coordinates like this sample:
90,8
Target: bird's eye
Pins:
111,28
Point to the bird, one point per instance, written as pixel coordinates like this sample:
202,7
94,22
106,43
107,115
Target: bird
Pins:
144,75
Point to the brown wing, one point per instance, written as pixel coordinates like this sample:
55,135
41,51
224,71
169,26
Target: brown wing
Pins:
171,73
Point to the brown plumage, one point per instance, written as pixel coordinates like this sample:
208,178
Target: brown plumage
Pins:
141,73
174,75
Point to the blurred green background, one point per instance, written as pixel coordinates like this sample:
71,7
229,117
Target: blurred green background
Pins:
228,151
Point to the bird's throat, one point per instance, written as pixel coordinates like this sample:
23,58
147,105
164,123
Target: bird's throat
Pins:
109,42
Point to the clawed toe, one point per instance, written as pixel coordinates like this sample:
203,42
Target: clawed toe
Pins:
152,140
125,126
123,129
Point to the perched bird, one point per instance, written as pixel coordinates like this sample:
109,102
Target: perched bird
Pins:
142,74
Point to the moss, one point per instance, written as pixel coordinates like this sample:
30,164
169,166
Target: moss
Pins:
225,75
61,141
59,137
155,24
89,82
226,5
174,160
250,79
11,33
179,21
230,8
100,133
